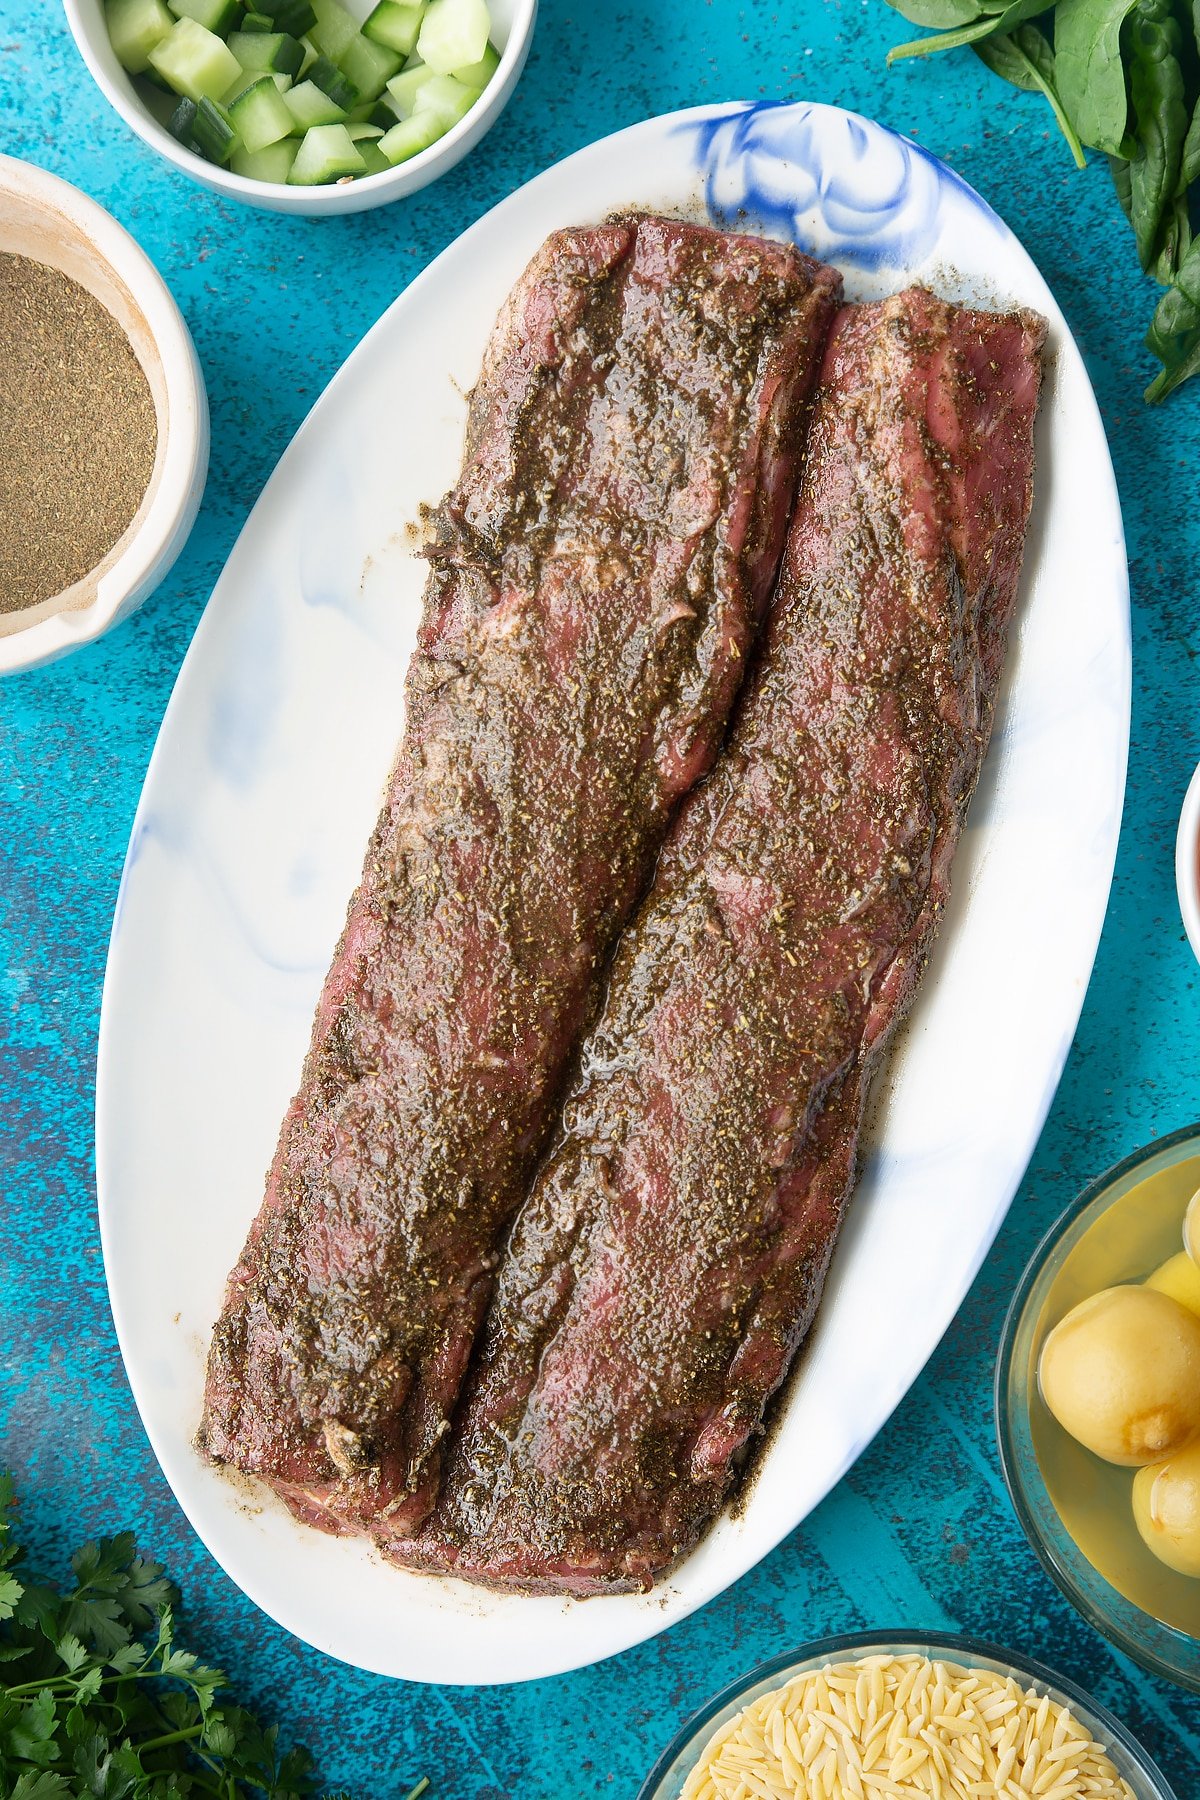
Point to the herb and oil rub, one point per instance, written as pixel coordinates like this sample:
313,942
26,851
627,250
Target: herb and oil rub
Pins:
597,576
671,1255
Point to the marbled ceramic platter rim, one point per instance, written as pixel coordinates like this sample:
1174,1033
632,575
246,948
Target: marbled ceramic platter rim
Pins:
266,780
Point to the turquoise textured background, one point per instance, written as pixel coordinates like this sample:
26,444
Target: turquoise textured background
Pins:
921,1533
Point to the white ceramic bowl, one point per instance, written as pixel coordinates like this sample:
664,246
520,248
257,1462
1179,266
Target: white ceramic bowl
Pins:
1187,862
52,222
512,31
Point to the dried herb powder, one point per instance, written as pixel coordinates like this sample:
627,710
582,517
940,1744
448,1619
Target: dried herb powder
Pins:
77,432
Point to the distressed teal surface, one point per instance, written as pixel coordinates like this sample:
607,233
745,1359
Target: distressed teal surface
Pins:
921,1533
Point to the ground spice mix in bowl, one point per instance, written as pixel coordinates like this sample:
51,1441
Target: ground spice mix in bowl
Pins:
103,421
78,433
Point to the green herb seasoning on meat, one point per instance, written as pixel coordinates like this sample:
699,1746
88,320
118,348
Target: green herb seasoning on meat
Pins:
78,432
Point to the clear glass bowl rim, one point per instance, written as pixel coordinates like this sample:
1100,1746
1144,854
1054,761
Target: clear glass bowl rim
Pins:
945,1646
1107,1624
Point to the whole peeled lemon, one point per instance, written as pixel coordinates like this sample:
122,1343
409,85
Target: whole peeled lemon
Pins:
1191,1228
1121,1373
1179,1276
1166,1509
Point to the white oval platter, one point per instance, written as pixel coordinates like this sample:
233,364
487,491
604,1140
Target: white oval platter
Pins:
266,781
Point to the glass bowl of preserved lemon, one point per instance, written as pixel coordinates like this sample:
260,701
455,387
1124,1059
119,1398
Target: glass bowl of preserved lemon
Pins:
1098,1405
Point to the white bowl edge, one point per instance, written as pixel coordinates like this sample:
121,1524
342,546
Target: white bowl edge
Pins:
1187,862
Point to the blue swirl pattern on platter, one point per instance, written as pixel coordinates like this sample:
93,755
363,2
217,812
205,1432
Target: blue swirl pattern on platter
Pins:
878,197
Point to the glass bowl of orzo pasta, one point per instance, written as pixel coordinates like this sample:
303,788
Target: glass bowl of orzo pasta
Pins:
873,1716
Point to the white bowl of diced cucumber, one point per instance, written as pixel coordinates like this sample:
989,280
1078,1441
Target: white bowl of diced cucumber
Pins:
307,106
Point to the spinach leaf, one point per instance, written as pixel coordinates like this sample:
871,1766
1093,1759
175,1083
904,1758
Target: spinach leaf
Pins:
1176,242
1160,124
938,15
1177,232
1008,20
1174,334
1024,58
1119,167
1189,161
1089,69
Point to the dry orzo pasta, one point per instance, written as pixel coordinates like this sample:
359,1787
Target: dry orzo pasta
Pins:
904,1728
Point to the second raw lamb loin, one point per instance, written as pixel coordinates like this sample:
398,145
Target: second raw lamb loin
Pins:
671,1256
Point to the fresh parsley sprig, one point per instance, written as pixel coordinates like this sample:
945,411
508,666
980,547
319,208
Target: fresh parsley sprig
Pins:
98,1703
1122,77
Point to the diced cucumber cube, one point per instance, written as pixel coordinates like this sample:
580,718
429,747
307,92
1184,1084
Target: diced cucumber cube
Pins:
293,16
214,133
326,153
454,34
261,115
272,164
311,54
373,158
254,21
477,75
369,66
360,132
445,99
329,78
247,78
309,105
135,27
383,114
395,25
267,51
183,121
333,29
410,137
194,61
214,15
405,87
